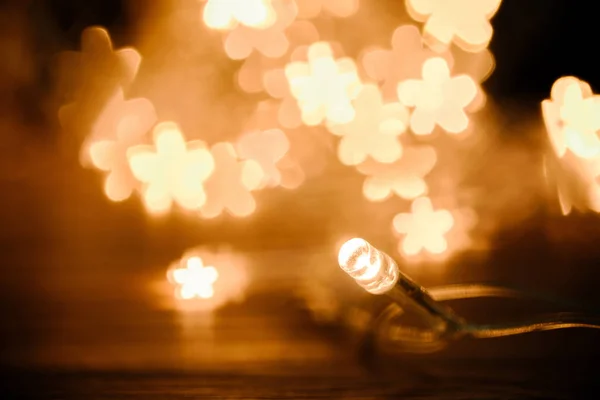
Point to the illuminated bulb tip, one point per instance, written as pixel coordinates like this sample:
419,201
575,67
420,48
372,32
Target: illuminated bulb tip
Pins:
372,269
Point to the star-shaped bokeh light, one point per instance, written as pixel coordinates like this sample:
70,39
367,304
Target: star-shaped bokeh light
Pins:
572,118
324,87
438,98
228,14
193,280
121,125
270,41
403,178
374,130
229,188
423,228
172,170
464,22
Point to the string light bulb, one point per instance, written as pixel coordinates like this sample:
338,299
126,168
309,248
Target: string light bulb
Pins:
378,274
372,269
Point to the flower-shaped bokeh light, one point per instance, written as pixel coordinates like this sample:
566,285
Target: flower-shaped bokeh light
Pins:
267,148
324,87
194,280
97,68
172,170
337,8
251,75
423,228
464,22
270,41
403,178
204,280
374,130
572,118
403,61
438,99
228,14
121,125
229,187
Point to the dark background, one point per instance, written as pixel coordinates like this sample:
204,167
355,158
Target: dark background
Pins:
75,319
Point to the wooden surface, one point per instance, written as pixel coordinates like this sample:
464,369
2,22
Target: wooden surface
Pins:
80,317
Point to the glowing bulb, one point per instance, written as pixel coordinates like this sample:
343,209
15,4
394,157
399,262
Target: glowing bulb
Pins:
372,269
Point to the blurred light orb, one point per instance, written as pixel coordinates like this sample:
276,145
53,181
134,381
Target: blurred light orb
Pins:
229,187
193,279
424,228
171,170
267,148
403,178
374,130
337,8
227,14
324,87
464,22
572,118
438,98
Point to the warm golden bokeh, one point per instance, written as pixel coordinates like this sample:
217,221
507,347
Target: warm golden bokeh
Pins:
230,185
97,67
267,148
251,75
270,41
324,87
337,8
403,178
171,170
464,22
89,78
204,280
121,125
228,14
404,60
423,229
438,98
194,280
374,130
572,117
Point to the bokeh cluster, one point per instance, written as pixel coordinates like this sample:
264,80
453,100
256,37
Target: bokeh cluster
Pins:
398,113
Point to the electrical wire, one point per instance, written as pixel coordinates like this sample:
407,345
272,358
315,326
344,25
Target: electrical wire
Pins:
378,273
